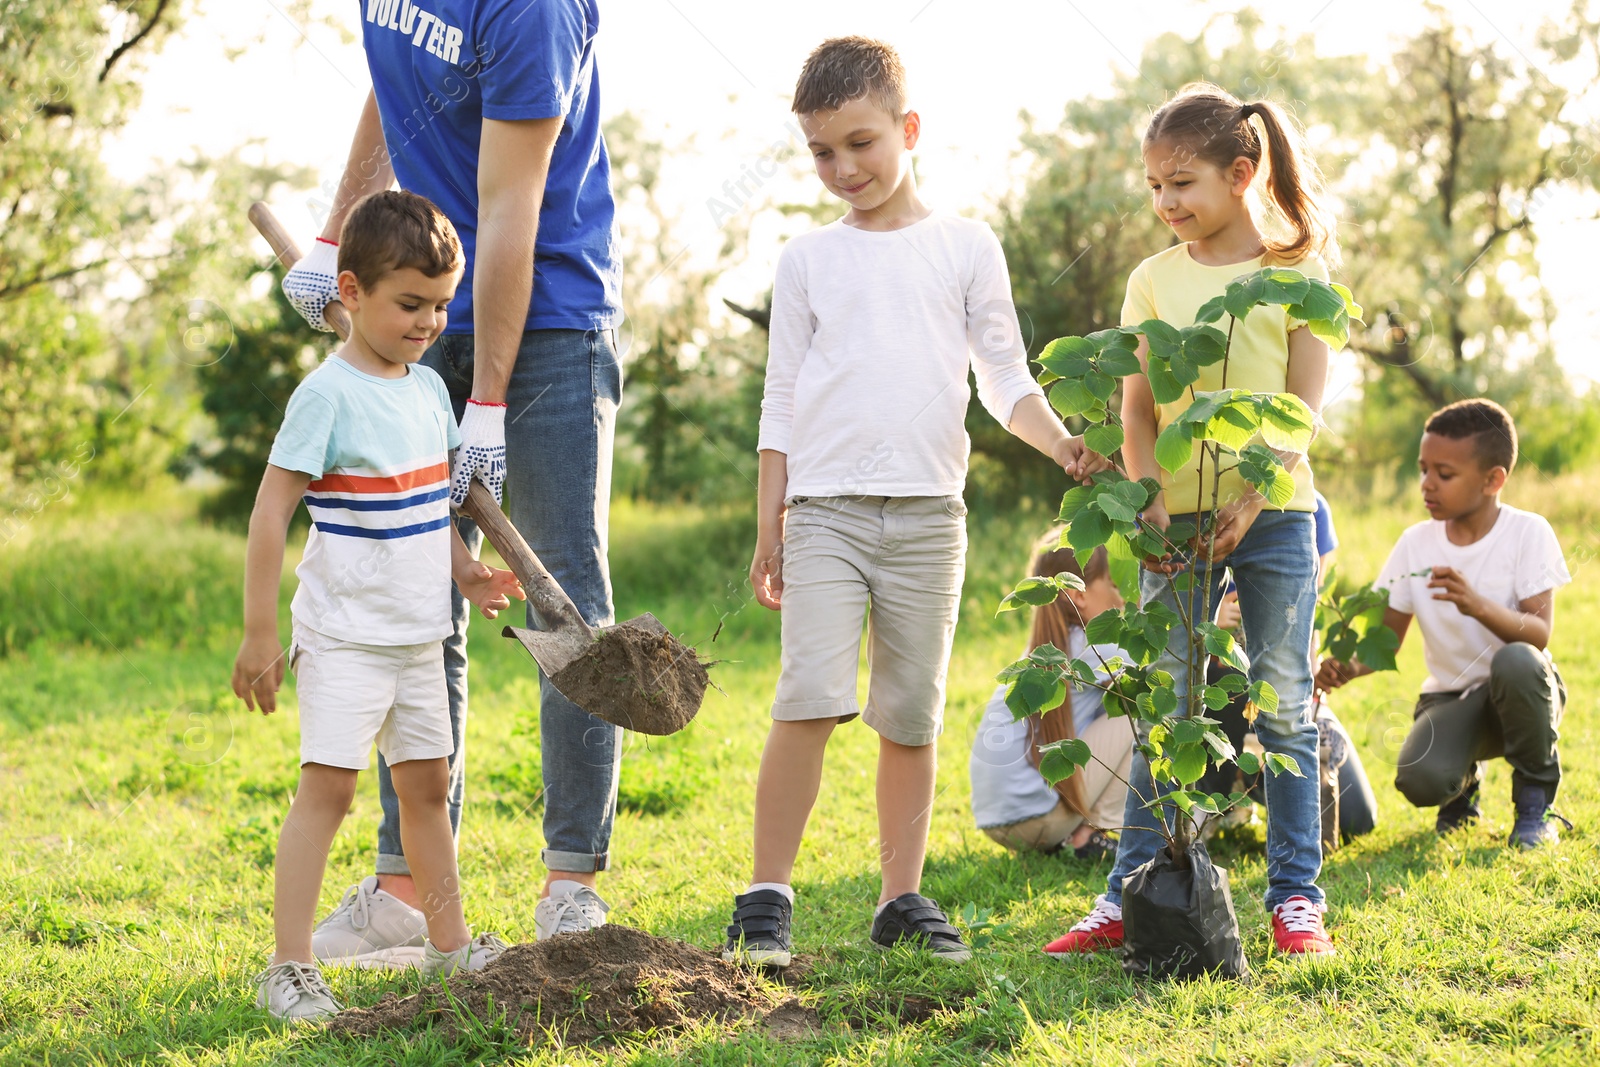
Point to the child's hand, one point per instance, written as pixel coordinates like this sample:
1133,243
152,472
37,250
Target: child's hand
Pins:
1228,616
1229,525
258,672
1457,591
488,587
1155,517
766,573
1333,673
1077,461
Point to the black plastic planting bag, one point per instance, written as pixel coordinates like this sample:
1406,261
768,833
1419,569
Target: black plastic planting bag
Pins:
1180,923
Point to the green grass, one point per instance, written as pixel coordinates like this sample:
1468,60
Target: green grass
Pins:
139,805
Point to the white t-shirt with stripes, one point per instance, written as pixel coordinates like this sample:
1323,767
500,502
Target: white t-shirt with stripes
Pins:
376,568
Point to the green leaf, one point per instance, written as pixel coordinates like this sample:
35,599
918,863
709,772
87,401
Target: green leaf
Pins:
1204,345
1089,530
1114,508
1286,422
1047,655
1248,762
1263,696
1164,384
1071,397
1377,648
1214,697
1220,745
1162,337
1232,683
1210,311
1013,670
1206,802
1175,446
1119,362
1187,731
1101,386
1069,357
1059,760
1036,691
1219,642
1103,439
1164,700
1075,500
1030,592
1105,628
1067,580
1180,799
1234,425
1278,763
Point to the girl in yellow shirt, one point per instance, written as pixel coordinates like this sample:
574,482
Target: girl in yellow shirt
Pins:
1206,155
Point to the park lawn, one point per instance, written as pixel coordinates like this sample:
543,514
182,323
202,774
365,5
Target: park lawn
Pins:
139,806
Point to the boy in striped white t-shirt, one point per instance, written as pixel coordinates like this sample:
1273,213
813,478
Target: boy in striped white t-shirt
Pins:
366,444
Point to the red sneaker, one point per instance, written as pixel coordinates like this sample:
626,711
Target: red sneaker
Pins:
1297,928
1100,929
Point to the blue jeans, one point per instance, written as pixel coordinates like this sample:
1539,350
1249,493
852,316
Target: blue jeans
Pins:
561,409
1275,568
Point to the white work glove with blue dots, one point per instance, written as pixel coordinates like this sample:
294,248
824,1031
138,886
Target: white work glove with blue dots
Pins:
313,283
482,453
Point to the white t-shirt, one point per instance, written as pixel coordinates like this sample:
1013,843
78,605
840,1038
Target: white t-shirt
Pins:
1518,558
376,568
1006,788
871,336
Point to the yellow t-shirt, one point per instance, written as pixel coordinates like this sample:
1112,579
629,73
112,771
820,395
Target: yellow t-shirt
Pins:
1171,286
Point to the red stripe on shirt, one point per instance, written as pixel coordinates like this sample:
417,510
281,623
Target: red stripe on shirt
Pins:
396,483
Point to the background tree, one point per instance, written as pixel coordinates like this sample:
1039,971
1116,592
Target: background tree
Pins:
109,292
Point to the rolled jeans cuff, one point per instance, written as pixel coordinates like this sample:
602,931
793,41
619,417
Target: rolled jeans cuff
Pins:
568,862
392,864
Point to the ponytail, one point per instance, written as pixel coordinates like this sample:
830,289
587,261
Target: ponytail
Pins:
1214,125
1053,624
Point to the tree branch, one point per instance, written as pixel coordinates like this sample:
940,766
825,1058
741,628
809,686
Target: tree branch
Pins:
16,289
1430,388
132,42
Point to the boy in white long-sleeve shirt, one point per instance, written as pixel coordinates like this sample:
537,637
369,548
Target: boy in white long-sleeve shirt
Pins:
875,320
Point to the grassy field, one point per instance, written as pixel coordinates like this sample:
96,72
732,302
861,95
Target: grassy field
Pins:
139,805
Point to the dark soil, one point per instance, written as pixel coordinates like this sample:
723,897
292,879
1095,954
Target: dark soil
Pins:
637,677
592,987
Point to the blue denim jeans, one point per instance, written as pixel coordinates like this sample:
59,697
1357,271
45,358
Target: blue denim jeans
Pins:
561,410
1275,568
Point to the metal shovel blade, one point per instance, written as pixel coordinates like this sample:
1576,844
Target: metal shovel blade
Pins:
635,674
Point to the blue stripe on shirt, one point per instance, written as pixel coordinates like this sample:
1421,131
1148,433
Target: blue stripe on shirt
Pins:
385,535
357,503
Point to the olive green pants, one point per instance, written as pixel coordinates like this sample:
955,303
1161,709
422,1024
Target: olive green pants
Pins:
1516,714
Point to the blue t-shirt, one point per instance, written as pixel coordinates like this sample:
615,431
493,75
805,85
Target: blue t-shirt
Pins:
439,71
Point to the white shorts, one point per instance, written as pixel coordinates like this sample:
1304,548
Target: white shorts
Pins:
352,695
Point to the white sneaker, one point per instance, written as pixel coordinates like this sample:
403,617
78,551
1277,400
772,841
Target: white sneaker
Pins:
371,928
475,955
569,913
295,992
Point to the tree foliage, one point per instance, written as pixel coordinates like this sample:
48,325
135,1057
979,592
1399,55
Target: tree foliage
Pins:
110,293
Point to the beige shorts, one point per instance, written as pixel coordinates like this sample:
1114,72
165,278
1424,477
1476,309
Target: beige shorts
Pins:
896,562
352,695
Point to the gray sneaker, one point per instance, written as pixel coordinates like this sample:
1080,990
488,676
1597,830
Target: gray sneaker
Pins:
295,992
569,913
475,955
371,928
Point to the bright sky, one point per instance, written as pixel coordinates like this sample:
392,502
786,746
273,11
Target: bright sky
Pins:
721,72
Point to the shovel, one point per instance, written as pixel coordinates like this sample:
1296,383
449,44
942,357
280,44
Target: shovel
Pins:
635,674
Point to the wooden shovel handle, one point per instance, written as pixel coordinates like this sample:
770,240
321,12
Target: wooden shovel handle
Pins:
548,598
546,595
288,254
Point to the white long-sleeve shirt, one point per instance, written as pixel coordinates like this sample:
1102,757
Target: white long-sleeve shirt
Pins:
871,336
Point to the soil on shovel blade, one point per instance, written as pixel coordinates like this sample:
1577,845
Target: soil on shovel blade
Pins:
588,988
653,678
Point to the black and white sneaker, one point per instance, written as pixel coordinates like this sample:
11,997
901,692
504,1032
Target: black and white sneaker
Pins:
759,934
913,917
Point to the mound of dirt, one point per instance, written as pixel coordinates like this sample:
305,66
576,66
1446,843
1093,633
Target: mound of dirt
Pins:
641,678
591,988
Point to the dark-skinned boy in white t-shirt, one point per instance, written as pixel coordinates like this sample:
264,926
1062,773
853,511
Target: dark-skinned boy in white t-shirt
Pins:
1480,578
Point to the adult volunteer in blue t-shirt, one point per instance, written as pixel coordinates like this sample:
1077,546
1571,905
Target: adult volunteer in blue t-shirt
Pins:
492,111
